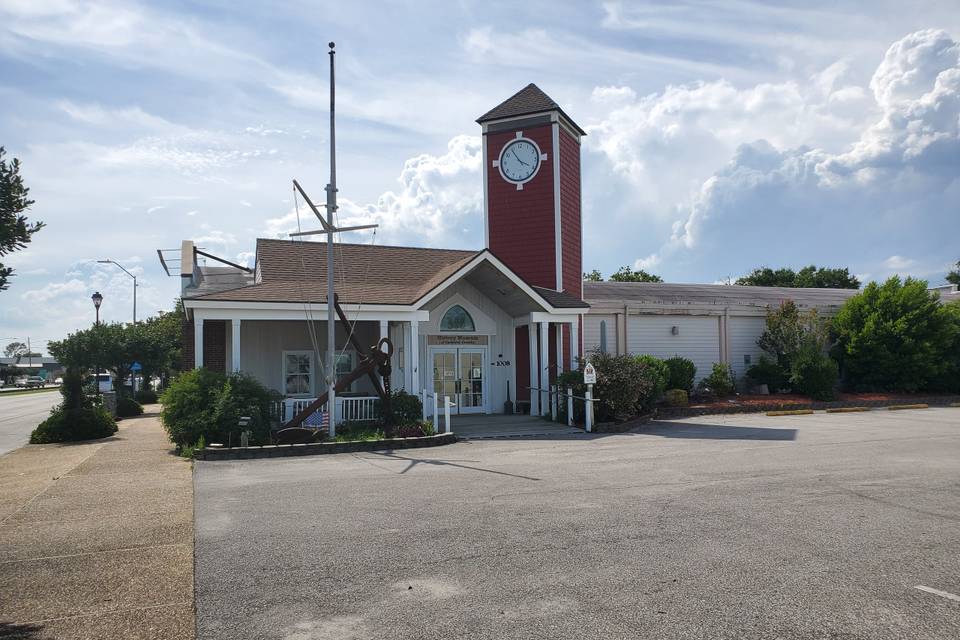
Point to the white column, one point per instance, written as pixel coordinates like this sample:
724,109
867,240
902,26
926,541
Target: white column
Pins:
559,329
544,367
235,345
534,369
414,356
574,343
384,328
197,340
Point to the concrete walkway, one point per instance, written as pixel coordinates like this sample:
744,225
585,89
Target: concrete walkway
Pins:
97,539
473,427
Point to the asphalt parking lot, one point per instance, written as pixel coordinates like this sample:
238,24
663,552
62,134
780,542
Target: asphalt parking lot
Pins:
739,527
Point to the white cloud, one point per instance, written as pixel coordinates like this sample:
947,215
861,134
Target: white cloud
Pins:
898,262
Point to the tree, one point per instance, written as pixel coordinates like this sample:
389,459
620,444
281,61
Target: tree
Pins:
954,276
896,336
15,349
626,274
592,276
808,277
15,232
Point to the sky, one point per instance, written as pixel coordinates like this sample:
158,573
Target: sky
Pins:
722,136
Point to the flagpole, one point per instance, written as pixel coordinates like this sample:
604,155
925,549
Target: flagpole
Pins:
331,208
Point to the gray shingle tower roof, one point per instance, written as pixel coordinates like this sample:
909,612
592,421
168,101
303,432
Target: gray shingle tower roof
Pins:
528,101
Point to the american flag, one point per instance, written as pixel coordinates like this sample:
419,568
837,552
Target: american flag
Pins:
317,420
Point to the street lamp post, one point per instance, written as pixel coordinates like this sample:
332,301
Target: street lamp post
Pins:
97,300
134,285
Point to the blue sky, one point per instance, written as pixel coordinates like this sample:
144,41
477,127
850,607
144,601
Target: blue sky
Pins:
722,135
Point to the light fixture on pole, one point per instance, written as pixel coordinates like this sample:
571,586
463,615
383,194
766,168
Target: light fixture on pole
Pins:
134,285
97,301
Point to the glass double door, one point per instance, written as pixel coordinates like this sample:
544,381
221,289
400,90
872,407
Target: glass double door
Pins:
458,373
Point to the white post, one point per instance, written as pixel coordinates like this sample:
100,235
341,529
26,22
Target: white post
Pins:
197,341
544,363
446,414
235,345
415,356
436,413
384,333
589,408
534,370
569,407
423,403
574,343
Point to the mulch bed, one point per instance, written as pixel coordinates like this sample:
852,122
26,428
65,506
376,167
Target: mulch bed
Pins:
780,402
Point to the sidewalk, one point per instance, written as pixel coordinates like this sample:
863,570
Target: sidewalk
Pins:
97,539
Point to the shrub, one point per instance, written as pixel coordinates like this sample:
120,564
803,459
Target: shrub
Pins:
896,337
210,404
574,380
188,450
657,371
720,382
127,407
147,396
407,408
814,374
353,431
677,397
73,425
768,372
680,373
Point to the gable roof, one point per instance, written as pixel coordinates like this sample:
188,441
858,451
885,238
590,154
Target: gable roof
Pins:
296,271
529,100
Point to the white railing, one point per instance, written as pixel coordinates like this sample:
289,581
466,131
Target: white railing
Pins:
439,403
349,409
556,395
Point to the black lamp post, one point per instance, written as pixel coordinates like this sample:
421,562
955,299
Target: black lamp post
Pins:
97,300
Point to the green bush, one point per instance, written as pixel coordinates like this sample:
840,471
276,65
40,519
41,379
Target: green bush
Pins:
681,373
677,397
720,382
574,380
897,337
407,408
73,425
127,407
768,372
814,374
147,396
658,372
208,404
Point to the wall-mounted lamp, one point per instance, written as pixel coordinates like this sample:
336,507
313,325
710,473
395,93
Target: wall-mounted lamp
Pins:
675,330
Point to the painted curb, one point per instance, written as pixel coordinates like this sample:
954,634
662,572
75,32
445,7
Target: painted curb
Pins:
901,407
847,409
794,412
322,448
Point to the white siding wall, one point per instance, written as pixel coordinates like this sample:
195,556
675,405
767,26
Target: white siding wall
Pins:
262,343
744,332
698,338
591,332
500,343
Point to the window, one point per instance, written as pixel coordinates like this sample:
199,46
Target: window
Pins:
298,373
344,364
603,336
457,319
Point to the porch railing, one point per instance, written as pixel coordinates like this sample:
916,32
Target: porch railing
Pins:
349,409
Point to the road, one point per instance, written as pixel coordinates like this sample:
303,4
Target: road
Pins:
737,527
21,413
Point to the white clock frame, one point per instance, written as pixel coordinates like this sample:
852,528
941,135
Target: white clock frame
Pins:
498,161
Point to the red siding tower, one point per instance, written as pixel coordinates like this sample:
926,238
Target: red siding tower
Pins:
531,189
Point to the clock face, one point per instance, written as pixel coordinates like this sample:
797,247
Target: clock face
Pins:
519,160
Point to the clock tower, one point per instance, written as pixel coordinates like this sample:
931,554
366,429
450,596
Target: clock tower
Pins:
531,203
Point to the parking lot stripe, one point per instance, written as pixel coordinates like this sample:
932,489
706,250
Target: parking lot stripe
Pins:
937,592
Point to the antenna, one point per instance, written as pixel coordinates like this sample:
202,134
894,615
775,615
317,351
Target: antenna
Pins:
329,229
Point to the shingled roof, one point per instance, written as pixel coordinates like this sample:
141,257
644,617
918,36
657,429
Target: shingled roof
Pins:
529,100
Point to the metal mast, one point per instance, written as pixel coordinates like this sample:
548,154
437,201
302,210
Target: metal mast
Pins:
331,208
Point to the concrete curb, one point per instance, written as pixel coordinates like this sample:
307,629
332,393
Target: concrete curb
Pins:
792,412
322,448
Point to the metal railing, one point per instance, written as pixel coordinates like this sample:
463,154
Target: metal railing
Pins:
554,393
447,405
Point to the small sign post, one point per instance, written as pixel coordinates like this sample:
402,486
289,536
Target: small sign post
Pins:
589,379
135,368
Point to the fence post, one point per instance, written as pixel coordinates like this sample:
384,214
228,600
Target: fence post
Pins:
589,408
569,407
553,403
446,414
436,413
423,404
